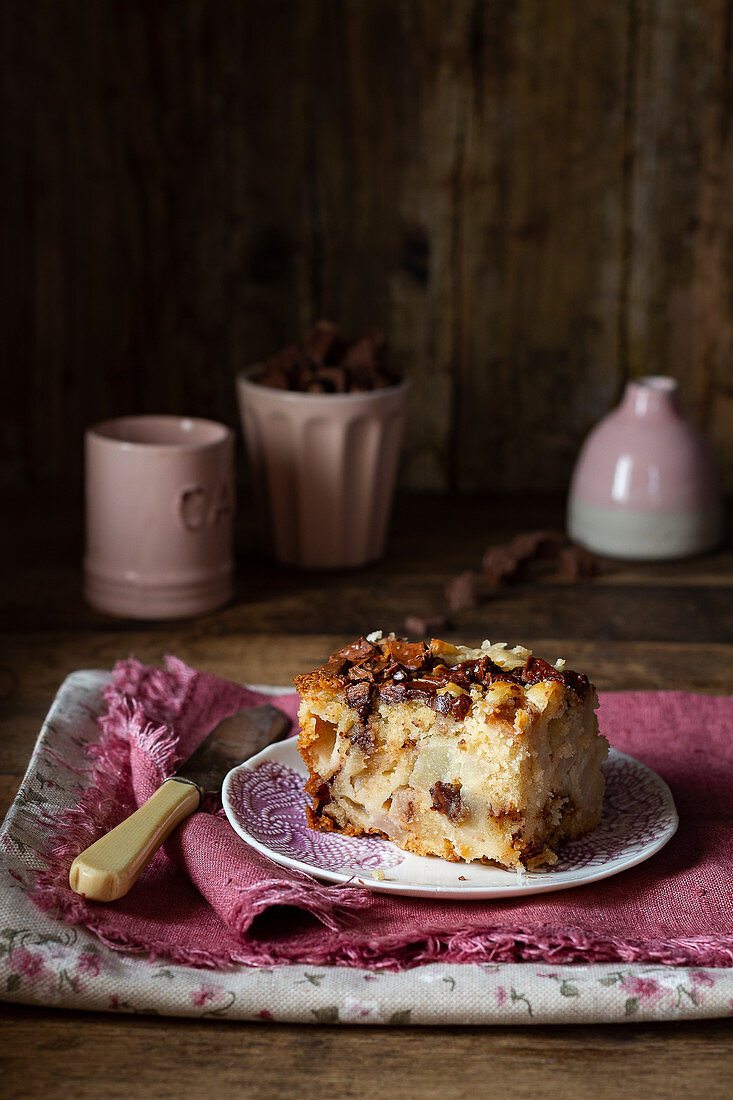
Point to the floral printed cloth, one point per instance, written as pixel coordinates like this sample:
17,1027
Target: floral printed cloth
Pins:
46,961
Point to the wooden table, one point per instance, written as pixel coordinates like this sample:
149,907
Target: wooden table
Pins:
634,626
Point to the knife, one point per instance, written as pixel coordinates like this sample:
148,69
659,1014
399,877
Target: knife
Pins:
108,868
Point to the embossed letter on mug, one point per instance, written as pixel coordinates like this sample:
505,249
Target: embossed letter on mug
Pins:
160,502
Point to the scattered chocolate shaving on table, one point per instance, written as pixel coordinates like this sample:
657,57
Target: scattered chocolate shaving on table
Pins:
424,625
499,565
575,563
537,544
324,361
461,592
507,561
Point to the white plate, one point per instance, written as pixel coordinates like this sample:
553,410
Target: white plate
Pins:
265,802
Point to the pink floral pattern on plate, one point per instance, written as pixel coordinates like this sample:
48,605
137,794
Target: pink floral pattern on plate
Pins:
270,802
636,812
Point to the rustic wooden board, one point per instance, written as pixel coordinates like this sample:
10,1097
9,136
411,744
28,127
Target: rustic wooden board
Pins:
534,200
432,540
664,1061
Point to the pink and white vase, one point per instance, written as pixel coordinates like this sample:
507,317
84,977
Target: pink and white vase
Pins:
645,486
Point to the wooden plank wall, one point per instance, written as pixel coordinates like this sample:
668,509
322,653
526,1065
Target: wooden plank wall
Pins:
534,199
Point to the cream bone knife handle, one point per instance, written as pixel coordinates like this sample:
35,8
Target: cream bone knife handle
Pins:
110,866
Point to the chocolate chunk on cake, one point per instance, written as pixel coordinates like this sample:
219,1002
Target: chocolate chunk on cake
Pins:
468,754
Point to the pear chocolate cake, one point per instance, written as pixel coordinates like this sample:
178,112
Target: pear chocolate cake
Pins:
469,754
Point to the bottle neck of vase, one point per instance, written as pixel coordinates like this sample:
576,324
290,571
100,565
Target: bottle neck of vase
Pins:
653,397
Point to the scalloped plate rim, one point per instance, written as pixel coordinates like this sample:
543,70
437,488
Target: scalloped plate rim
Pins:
517,885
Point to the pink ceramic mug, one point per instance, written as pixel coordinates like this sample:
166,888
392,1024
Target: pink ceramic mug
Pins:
159,506
324,468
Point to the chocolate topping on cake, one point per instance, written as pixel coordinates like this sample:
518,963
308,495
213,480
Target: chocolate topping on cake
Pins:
359,698
396,670
412,655
356,651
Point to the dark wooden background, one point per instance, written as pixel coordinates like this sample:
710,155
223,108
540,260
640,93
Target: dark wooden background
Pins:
534,199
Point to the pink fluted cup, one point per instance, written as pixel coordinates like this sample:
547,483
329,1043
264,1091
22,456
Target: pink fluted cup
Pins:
159,507
324,469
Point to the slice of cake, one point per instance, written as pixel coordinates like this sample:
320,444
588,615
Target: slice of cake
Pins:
488,754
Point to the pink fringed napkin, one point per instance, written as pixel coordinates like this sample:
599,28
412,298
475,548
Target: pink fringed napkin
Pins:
207,899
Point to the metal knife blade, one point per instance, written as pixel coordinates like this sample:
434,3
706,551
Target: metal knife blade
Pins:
234,740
